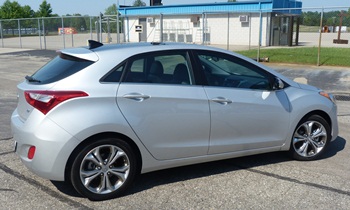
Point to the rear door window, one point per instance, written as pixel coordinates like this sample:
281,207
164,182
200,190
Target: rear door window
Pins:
59,68
166,67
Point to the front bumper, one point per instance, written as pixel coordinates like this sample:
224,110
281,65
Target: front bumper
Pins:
334,118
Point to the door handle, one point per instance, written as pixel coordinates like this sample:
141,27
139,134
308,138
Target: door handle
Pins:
136,96
222,100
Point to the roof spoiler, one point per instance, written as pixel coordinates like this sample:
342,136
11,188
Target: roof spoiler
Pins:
94,44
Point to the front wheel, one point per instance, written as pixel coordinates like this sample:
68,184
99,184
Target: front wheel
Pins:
310,138
103,169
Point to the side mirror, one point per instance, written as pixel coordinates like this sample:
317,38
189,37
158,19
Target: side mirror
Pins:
277,84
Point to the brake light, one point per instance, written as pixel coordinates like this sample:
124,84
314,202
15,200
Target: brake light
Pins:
44,100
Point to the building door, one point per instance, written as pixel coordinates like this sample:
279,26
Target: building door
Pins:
284,31
276,27
143,34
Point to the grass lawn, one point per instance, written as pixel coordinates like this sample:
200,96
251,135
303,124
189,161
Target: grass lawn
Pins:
304,55
309,28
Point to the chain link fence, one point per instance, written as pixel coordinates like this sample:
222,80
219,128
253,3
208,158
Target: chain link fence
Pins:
48,33
233,31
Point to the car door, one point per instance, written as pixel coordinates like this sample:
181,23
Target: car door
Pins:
168,113
245,113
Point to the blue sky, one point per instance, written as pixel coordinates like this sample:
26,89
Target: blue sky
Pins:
94,7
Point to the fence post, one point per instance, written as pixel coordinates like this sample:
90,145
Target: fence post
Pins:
19,33
2,37
250,30
108,30
63,34
44,35
228,31
260,37
203,27
72,39
127,31
118,30
100,34
161,27
320,39
96,30
39,33
90,28
297,32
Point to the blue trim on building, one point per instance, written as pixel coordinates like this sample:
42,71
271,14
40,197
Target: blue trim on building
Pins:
247,6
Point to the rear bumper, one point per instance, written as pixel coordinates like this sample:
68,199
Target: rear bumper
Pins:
53,145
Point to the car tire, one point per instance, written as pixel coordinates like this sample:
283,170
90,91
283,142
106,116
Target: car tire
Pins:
103,169
310,138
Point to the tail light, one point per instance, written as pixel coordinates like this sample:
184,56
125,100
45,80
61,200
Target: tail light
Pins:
44,100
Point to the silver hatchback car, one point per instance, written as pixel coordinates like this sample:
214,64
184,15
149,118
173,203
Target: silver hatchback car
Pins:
97,116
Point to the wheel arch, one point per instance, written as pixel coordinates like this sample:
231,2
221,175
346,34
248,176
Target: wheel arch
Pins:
321,113
103,135
294,125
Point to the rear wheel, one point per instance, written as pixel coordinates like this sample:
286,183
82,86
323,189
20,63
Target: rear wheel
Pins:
310,138
103,169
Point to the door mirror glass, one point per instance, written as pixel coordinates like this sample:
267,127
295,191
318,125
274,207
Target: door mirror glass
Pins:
278,84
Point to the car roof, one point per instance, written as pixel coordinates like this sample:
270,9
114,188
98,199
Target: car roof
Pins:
129,49
136,48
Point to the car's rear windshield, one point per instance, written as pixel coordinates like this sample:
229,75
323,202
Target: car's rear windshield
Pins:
58,68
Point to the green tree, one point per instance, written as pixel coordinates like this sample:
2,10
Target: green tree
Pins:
139,3
67,21
28,12
330,18
45,10
311,18
52,24
78,22
111,10
11,10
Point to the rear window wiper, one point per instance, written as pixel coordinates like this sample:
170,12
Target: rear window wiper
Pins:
32,79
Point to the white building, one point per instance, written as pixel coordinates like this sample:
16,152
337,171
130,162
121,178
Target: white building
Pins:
235,23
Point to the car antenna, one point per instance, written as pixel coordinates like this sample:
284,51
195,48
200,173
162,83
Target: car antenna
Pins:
157,43
94,44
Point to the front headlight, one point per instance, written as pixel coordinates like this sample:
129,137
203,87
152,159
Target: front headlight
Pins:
327,95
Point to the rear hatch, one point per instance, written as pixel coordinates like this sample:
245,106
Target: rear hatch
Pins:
67,63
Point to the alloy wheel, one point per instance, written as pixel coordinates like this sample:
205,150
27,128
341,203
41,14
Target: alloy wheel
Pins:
104,169
309,139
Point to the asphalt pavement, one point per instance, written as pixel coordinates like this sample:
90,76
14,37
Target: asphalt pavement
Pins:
269,181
